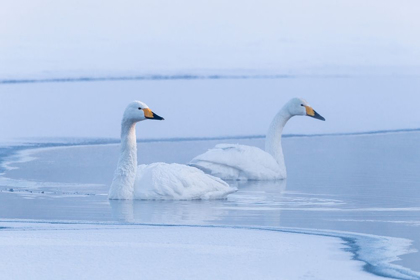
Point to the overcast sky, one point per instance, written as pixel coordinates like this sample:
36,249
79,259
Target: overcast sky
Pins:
50,38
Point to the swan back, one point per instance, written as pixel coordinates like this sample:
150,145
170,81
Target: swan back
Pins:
239,162
162,181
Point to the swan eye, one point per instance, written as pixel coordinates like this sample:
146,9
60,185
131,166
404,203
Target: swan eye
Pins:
139,108
302,105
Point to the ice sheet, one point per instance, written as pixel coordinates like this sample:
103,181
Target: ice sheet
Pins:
86,251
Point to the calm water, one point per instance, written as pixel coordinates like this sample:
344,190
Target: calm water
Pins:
365,184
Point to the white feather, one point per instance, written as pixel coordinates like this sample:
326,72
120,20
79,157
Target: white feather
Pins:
158,181
239,162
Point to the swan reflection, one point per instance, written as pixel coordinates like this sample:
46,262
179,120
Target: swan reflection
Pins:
252,195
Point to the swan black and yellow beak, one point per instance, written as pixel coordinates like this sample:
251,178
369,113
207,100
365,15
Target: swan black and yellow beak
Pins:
312,113
151,116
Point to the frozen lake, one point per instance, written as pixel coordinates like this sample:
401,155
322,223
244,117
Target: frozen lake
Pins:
357,196
367,184
350,208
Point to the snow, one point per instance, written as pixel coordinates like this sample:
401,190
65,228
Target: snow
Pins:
101,248
86,251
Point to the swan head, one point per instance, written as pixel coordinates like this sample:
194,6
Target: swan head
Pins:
300,107
138,111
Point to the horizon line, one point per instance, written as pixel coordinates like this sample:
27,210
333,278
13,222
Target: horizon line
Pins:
111,140
186,76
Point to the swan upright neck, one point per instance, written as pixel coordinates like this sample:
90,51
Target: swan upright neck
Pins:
123,184
273,138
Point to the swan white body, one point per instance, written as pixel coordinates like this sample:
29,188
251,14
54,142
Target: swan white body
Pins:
239,162
177,181
158,181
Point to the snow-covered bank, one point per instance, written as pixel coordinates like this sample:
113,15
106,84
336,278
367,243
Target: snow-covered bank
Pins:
86,251
316,205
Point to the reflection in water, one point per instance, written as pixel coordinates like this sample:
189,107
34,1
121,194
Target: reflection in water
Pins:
258,192
199,212
167,212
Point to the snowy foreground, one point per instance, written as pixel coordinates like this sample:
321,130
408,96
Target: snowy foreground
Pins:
103,251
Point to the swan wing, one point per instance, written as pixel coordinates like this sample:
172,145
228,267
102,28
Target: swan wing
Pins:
162,181
239,162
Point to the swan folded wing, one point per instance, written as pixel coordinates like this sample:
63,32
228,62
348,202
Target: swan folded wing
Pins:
162,181
239,162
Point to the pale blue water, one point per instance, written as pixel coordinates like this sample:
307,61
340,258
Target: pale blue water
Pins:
363,184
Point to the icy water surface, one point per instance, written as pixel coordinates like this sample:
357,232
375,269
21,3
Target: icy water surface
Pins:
364,184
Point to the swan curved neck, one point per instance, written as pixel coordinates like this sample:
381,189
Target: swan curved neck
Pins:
273,138
123,184
128,143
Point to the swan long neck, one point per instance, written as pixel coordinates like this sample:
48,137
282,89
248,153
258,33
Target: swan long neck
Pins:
273,138
123,184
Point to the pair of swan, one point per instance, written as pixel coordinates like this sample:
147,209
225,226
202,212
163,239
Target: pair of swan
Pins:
202,179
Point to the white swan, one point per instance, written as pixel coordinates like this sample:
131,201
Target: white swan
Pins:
159,180
239,162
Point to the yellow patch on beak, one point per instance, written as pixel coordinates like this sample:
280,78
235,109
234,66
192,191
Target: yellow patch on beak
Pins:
148,113
310,111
